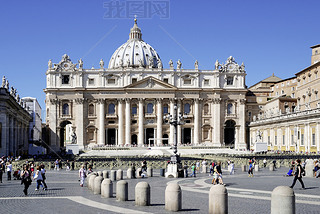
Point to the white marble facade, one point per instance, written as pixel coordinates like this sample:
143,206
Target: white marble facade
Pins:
124,104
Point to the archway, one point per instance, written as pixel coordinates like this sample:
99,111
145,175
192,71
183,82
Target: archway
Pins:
134,140
65,133
149,134
165,142
229,133
186,136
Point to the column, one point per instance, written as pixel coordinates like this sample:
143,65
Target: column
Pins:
242,120
179,126
101,137
53,107
79,122
140,124
216,122
196,121
317,136
171,136
128,122
9,148
159,121
120,123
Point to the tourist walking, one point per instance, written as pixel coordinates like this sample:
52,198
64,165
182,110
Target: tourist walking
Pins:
193,169
298,174
198,167
56,165
9,170
67,165
144,166
217,174
43,173
82,175
26,178
231,168
250,171
38,177
264,163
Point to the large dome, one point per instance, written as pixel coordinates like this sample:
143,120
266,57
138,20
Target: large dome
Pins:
135,53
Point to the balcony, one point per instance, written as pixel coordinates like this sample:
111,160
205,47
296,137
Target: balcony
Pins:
111,116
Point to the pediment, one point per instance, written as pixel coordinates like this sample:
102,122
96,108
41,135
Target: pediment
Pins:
151,83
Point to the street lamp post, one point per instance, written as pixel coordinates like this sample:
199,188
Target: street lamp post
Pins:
175,120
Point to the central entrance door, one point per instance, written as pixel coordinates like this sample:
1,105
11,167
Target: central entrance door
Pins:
149,134
111,140
229,132
186,136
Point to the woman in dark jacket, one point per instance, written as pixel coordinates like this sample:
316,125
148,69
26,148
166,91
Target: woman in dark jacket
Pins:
298,175
26,178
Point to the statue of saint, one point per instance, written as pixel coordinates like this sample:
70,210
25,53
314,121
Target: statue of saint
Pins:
3,82
128,63
230,59
216,65
159,63
101,63
179,64
140,63
196,65
242,67
80,64
49,64
65,58
171,64
150,62
12,90
7,84
74,138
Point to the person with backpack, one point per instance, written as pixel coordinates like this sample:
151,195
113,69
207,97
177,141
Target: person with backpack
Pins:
298,174
26,178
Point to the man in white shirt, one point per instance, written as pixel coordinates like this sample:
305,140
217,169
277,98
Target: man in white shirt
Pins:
9,170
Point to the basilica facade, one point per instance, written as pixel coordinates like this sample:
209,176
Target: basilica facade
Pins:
125,103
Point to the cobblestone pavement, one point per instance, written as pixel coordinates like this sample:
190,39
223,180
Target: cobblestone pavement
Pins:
246,195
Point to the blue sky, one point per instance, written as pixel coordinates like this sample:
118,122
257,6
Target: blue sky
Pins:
268,36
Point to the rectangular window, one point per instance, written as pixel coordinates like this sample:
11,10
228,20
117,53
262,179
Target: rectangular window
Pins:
268,140
206,82
166,80
65,79
187,81
229,80
275,140
91,81
292,95
283,140
165,110
302,139
292,140
111,81
313,139
134,121
134,80
134,110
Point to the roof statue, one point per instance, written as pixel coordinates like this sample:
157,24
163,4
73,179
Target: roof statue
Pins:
49,64
101,63
179,64
3,82
196,65
171,64
159,63
216,65
80,63
7,84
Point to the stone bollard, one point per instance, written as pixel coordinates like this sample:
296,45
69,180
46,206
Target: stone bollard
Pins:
91,181
309,168
150,172
283,200
138,173
113,176
243,168
129,173
97,185
99,173
271,167
256,168
119,174
49,165
218,200
142,194
122,191
105,174
204,169
87,180
107,188
173,197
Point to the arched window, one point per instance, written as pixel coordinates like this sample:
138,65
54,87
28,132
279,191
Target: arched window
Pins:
206,109
229,108
165,109
149,108
91,109
187,108
65,109
134,109
111,108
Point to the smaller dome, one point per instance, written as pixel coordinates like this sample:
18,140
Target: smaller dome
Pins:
135,52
